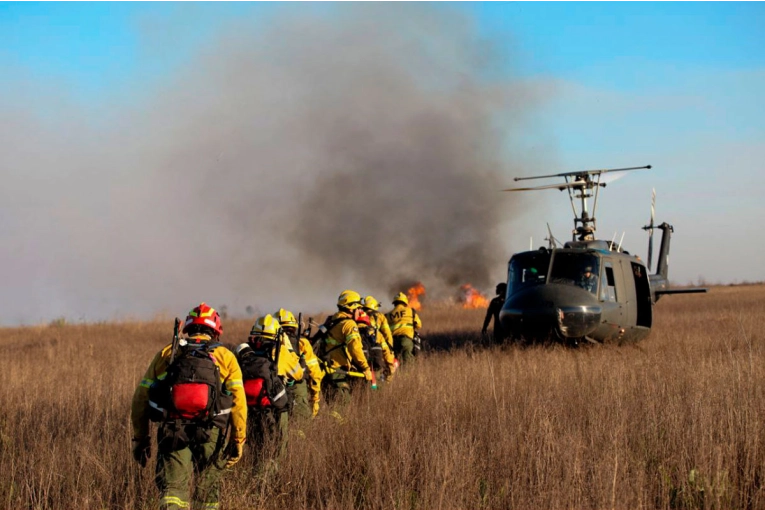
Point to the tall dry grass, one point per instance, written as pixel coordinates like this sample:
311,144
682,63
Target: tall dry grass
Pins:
672,422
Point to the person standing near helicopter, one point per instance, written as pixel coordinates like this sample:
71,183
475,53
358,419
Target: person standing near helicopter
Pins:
495,305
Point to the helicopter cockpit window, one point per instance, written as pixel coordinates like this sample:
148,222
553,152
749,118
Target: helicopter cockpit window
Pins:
527,269
579,269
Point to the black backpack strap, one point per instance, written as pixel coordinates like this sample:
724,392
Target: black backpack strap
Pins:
329,326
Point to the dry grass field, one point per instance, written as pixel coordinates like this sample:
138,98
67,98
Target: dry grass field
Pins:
675,421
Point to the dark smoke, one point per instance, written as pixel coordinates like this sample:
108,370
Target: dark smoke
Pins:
282,165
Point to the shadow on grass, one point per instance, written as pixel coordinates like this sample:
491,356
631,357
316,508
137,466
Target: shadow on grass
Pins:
443,342
469,340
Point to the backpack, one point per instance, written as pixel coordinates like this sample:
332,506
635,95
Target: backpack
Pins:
416,339
263,387
320,338
368,338
372,350
191,391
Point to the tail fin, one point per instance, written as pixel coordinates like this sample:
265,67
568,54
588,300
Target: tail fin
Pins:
662,266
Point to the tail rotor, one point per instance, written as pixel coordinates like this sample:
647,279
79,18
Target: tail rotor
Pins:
650,228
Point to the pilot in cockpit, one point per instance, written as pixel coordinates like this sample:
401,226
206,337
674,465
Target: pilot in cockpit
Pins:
587,280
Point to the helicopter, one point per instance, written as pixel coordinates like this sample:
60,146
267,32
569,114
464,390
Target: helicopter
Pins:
587,289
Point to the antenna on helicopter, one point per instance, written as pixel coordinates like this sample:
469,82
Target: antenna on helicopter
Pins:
552,242
580,187
650,228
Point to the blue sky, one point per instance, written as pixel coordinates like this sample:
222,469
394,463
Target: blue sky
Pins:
100,44
674,84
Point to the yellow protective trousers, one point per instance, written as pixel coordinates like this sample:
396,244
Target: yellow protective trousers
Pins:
174,470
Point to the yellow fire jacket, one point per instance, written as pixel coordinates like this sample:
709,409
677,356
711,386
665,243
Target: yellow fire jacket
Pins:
289,361
231,377
378,321
315,373
404,321
344,344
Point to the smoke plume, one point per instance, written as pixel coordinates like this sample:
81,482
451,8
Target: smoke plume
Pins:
280,166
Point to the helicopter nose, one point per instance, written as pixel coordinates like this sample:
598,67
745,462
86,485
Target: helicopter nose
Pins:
537,312
577,321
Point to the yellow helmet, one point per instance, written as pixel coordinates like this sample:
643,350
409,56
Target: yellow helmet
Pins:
266,327
370,302
286,318
402,298
349,299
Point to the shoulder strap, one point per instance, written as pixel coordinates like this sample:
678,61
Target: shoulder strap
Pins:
338,321
329,324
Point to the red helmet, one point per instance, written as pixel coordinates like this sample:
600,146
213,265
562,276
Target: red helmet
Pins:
204,315
361,317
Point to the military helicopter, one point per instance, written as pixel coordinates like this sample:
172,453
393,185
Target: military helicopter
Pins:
589,289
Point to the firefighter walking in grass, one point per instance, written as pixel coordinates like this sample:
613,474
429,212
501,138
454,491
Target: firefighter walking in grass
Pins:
404,323
340,346
383,359
306,394
193,389
269,367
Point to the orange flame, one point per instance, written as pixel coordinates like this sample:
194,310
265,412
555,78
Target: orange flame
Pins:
413,295
470,297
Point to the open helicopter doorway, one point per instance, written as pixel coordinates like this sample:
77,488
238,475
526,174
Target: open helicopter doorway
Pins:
642,295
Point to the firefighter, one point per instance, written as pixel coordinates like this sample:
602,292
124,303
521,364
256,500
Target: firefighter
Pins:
272,417
190,444
306,393
495,305
341,346
379,322
404,323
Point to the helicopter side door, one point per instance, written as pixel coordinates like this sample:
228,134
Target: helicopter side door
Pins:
611,291
627,296
643,310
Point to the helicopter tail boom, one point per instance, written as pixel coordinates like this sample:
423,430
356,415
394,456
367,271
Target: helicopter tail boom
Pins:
695,290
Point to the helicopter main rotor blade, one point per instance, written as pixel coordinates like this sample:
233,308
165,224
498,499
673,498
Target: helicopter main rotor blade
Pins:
584,172
575,184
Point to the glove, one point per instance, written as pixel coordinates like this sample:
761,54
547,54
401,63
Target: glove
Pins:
392,368
234,454
315,408
142,450
368,374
